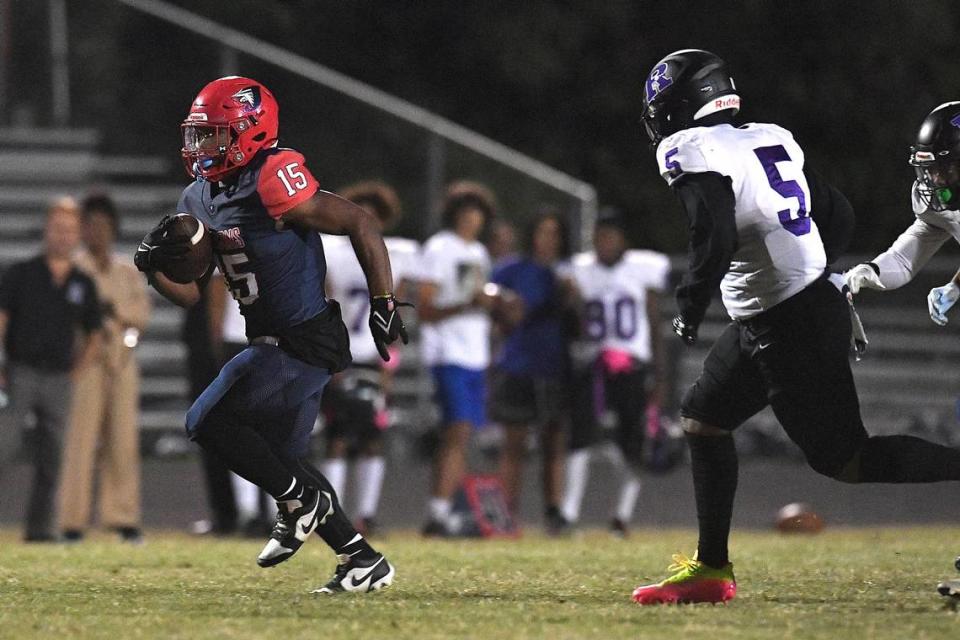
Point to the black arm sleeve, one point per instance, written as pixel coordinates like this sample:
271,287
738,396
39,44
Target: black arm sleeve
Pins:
708,200
832,213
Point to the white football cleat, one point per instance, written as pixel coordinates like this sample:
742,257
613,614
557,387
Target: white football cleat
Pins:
355,576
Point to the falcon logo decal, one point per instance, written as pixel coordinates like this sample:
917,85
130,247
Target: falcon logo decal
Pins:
248,99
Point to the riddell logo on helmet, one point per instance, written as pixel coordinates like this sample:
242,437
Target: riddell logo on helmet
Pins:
728,102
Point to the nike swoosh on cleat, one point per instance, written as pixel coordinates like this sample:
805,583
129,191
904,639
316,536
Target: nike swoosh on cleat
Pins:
356,583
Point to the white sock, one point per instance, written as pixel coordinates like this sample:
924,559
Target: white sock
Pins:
247,497
577,472
440,509
367,482
629,492
335,470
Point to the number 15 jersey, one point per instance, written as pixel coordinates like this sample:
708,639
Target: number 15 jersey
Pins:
779,249
276,274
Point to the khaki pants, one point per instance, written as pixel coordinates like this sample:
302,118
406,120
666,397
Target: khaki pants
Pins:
103,433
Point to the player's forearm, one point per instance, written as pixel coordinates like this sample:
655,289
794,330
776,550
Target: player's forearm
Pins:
367,241
908,254
182,295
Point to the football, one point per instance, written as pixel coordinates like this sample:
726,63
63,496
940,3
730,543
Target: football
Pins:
196,261
798,517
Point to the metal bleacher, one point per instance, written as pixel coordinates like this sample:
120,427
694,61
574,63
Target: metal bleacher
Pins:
38,165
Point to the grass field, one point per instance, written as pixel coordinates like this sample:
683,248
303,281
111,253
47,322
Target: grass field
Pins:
863,583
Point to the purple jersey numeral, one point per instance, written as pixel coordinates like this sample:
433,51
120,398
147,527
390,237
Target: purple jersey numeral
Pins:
769,157
670,165
624,319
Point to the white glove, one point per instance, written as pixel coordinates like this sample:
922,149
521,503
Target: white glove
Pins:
940,300
863,276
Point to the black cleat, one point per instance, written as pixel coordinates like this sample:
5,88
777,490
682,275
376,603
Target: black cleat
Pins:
619,528
435,529
556,525
949,588
130,535
296,520
356,576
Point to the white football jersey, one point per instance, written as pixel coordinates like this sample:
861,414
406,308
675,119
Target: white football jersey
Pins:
615,300
348,286
458,269
779,250
915,246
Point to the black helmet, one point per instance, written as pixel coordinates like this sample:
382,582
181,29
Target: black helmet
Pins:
936,158
684,87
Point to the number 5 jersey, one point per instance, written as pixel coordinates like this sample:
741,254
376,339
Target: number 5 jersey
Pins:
779,250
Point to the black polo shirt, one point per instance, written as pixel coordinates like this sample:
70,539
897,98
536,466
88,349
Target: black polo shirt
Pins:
44,318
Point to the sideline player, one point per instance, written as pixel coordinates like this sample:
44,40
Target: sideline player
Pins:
620,351
355,402
264,209
756,217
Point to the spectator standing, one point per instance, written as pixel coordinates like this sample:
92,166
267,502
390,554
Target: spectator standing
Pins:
103,432
455,337
529,382
355,402
50,324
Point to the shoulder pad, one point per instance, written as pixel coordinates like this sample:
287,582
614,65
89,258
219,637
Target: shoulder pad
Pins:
682,153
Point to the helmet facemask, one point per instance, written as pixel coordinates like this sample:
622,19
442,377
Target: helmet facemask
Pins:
211,151
938,179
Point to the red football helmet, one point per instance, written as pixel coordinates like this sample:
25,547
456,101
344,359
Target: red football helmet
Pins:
230,120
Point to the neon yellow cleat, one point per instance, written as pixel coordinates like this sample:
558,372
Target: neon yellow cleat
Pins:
692,581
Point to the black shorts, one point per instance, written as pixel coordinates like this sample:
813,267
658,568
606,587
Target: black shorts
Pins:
598,395
524,399
794,357
354,405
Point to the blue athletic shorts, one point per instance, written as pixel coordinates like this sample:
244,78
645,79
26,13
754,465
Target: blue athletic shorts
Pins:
269,390
462,394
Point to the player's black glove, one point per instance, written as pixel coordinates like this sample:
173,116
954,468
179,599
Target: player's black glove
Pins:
686,330
157,249
386,325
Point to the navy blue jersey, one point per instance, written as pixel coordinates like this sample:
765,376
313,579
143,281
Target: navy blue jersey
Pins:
276,274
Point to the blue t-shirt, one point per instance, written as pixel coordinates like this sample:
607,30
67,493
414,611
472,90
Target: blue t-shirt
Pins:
538,346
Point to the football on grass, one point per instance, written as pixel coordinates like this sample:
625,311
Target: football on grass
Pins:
798,517
196,261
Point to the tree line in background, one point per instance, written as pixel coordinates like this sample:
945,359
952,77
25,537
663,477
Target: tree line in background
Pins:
561,81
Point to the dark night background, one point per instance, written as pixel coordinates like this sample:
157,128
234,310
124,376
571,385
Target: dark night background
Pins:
560,81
